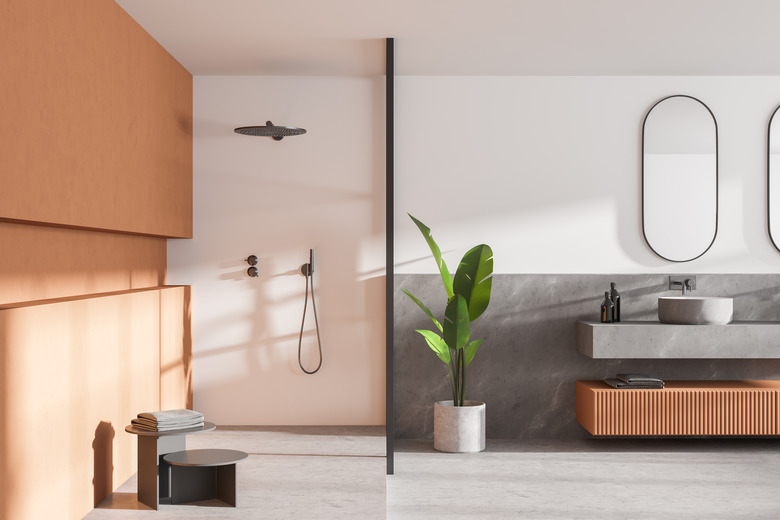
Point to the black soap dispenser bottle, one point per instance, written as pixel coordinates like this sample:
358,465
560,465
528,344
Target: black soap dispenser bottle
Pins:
614,295
607,309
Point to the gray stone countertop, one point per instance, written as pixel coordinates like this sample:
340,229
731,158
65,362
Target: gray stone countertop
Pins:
652,339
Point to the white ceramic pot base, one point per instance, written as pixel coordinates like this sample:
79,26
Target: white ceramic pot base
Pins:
459,429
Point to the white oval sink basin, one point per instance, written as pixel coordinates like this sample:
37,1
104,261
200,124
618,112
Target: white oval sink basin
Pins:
695,310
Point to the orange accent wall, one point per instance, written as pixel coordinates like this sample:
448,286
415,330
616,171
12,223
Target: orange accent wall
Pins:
681,408
40,262
96,121
74,373
95,172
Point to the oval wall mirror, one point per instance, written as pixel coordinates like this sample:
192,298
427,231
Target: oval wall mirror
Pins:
773,179
680,178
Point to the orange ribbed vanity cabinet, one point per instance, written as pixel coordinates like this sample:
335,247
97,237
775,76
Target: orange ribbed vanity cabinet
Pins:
681,408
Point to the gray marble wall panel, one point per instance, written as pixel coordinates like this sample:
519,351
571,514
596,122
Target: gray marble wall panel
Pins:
527,365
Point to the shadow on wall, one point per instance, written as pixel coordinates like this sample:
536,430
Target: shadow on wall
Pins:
259,348
103,450
176,351
267,356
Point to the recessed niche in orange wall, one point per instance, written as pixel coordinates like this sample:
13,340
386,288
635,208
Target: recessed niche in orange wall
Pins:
72,375
97,121
40,262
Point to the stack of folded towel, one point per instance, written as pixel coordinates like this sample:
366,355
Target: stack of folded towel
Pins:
634,381
168,420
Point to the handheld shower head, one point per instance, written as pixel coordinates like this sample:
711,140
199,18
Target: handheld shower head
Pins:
270,130
308,269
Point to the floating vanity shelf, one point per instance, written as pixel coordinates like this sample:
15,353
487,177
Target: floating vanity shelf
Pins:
682,408
650,339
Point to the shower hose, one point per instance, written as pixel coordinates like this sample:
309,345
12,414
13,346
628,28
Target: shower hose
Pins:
308,271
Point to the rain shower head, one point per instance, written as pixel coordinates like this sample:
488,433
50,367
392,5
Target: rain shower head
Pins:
270,130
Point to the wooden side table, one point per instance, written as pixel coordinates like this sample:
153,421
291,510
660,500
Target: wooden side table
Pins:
204,474
154,475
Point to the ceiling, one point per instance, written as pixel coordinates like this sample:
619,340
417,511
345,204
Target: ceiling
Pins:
467,37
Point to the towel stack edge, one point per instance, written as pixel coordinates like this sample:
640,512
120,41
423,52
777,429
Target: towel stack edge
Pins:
168,420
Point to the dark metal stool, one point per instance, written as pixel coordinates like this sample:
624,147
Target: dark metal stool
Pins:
204,474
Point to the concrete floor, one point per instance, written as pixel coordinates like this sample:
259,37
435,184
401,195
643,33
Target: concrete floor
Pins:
590,479
339,472
292,472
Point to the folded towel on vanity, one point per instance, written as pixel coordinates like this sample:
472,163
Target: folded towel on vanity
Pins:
168,420
618,383
639,379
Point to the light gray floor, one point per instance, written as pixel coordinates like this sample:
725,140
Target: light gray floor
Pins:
339,472
595,478
291,472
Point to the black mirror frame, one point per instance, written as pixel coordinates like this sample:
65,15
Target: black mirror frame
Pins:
717,177
769,177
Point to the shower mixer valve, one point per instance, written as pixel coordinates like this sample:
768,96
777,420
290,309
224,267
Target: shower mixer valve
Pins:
253,271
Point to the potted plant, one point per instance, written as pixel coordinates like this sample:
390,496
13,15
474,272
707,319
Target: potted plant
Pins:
458,424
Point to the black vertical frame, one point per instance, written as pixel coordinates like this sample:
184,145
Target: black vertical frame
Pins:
389,253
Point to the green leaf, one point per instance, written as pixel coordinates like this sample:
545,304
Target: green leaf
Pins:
471,350
425,309
437,344
445,273
474,279
456,322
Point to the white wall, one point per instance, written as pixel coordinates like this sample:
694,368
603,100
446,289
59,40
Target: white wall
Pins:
547,170
323,190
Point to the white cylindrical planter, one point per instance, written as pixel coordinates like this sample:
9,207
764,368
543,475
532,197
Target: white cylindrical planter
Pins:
459,429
